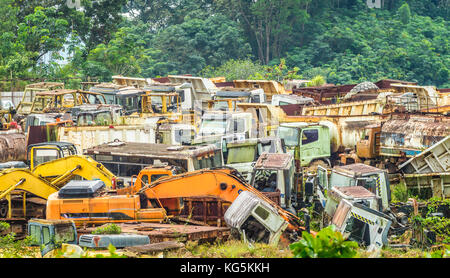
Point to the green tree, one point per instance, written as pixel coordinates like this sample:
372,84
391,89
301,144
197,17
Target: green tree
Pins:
269,23
42,32
404,13
190,46
279,72
234,70
122,55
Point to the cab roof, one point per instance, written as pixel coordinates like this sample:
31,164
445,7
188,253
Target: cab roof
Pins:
357,169
274,161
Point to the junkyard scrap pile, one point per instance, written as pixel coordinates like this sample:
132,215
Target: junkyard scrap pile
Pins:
191,159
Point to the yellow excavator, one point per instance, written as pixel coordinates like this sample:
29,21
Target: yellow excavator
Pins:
24,191
22,196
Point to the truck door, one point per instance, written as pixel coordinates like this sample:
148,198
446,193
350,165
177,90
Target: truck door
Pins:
309,145
322,178
322,184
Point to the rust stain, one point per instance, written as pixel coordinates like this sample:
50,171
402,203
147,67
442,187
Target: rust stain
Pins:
13,147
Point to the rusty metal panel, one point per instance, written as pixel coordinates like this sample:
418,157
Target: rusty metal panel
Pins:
387,83
274,160
169,232
270,87
224,84
86,137
357,169
13,147
356,192
293,109
435,159
410,137
211,210
356,108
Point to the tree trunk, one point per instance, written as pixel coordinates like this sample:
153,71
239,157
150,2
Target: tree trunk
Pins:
267,44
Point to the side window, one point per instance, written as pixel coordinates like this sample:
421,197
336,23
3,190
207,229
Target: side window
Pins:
310,136
35,233
144,180
64,233
46,235
155,177
44,155
256,99
239,125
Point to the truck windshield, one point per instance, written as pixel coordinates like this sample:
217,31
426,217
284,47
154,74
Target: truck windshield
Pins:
44,155
103,118
220,105
64,233
184,135
129,103
337,179
213,126
290,135
243,154
110,98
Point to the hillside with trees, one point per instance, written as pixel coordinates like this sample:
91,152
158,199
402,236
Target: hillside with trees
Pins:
344,41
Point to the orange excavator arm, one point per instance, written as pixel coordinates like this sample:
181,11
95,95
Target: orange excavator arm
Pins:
222,183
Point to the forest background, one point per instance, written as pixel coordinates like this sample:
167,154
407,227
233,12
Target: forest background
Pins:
333,41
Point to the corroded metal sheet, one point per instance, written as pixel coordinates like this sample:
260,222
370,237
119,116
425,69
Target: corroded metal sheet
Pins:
13,147
355,192
169,232
273,161
412,136
211,210
357,169
433,160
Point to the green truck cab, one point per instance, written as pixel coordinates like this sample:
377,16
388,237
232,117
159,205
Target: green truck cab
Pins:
307,142
49,234
61,236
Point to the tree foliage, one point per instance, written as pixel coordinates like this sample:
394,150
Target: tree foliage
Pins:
342,40
328,243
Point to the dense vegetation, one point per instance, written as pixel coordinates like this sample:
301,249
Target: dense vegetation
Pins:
341,40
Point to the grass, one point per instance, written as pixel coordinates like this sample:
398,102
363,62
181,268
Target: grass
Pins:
231,249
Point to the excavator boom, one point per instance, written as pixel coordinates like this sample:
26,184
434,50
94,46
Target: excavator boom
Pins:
60,171
24,180
222,183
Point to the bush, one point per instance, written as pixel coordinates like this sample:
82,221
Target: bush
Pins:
110,229
328,243
12,248
234,70
400,192
317,81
